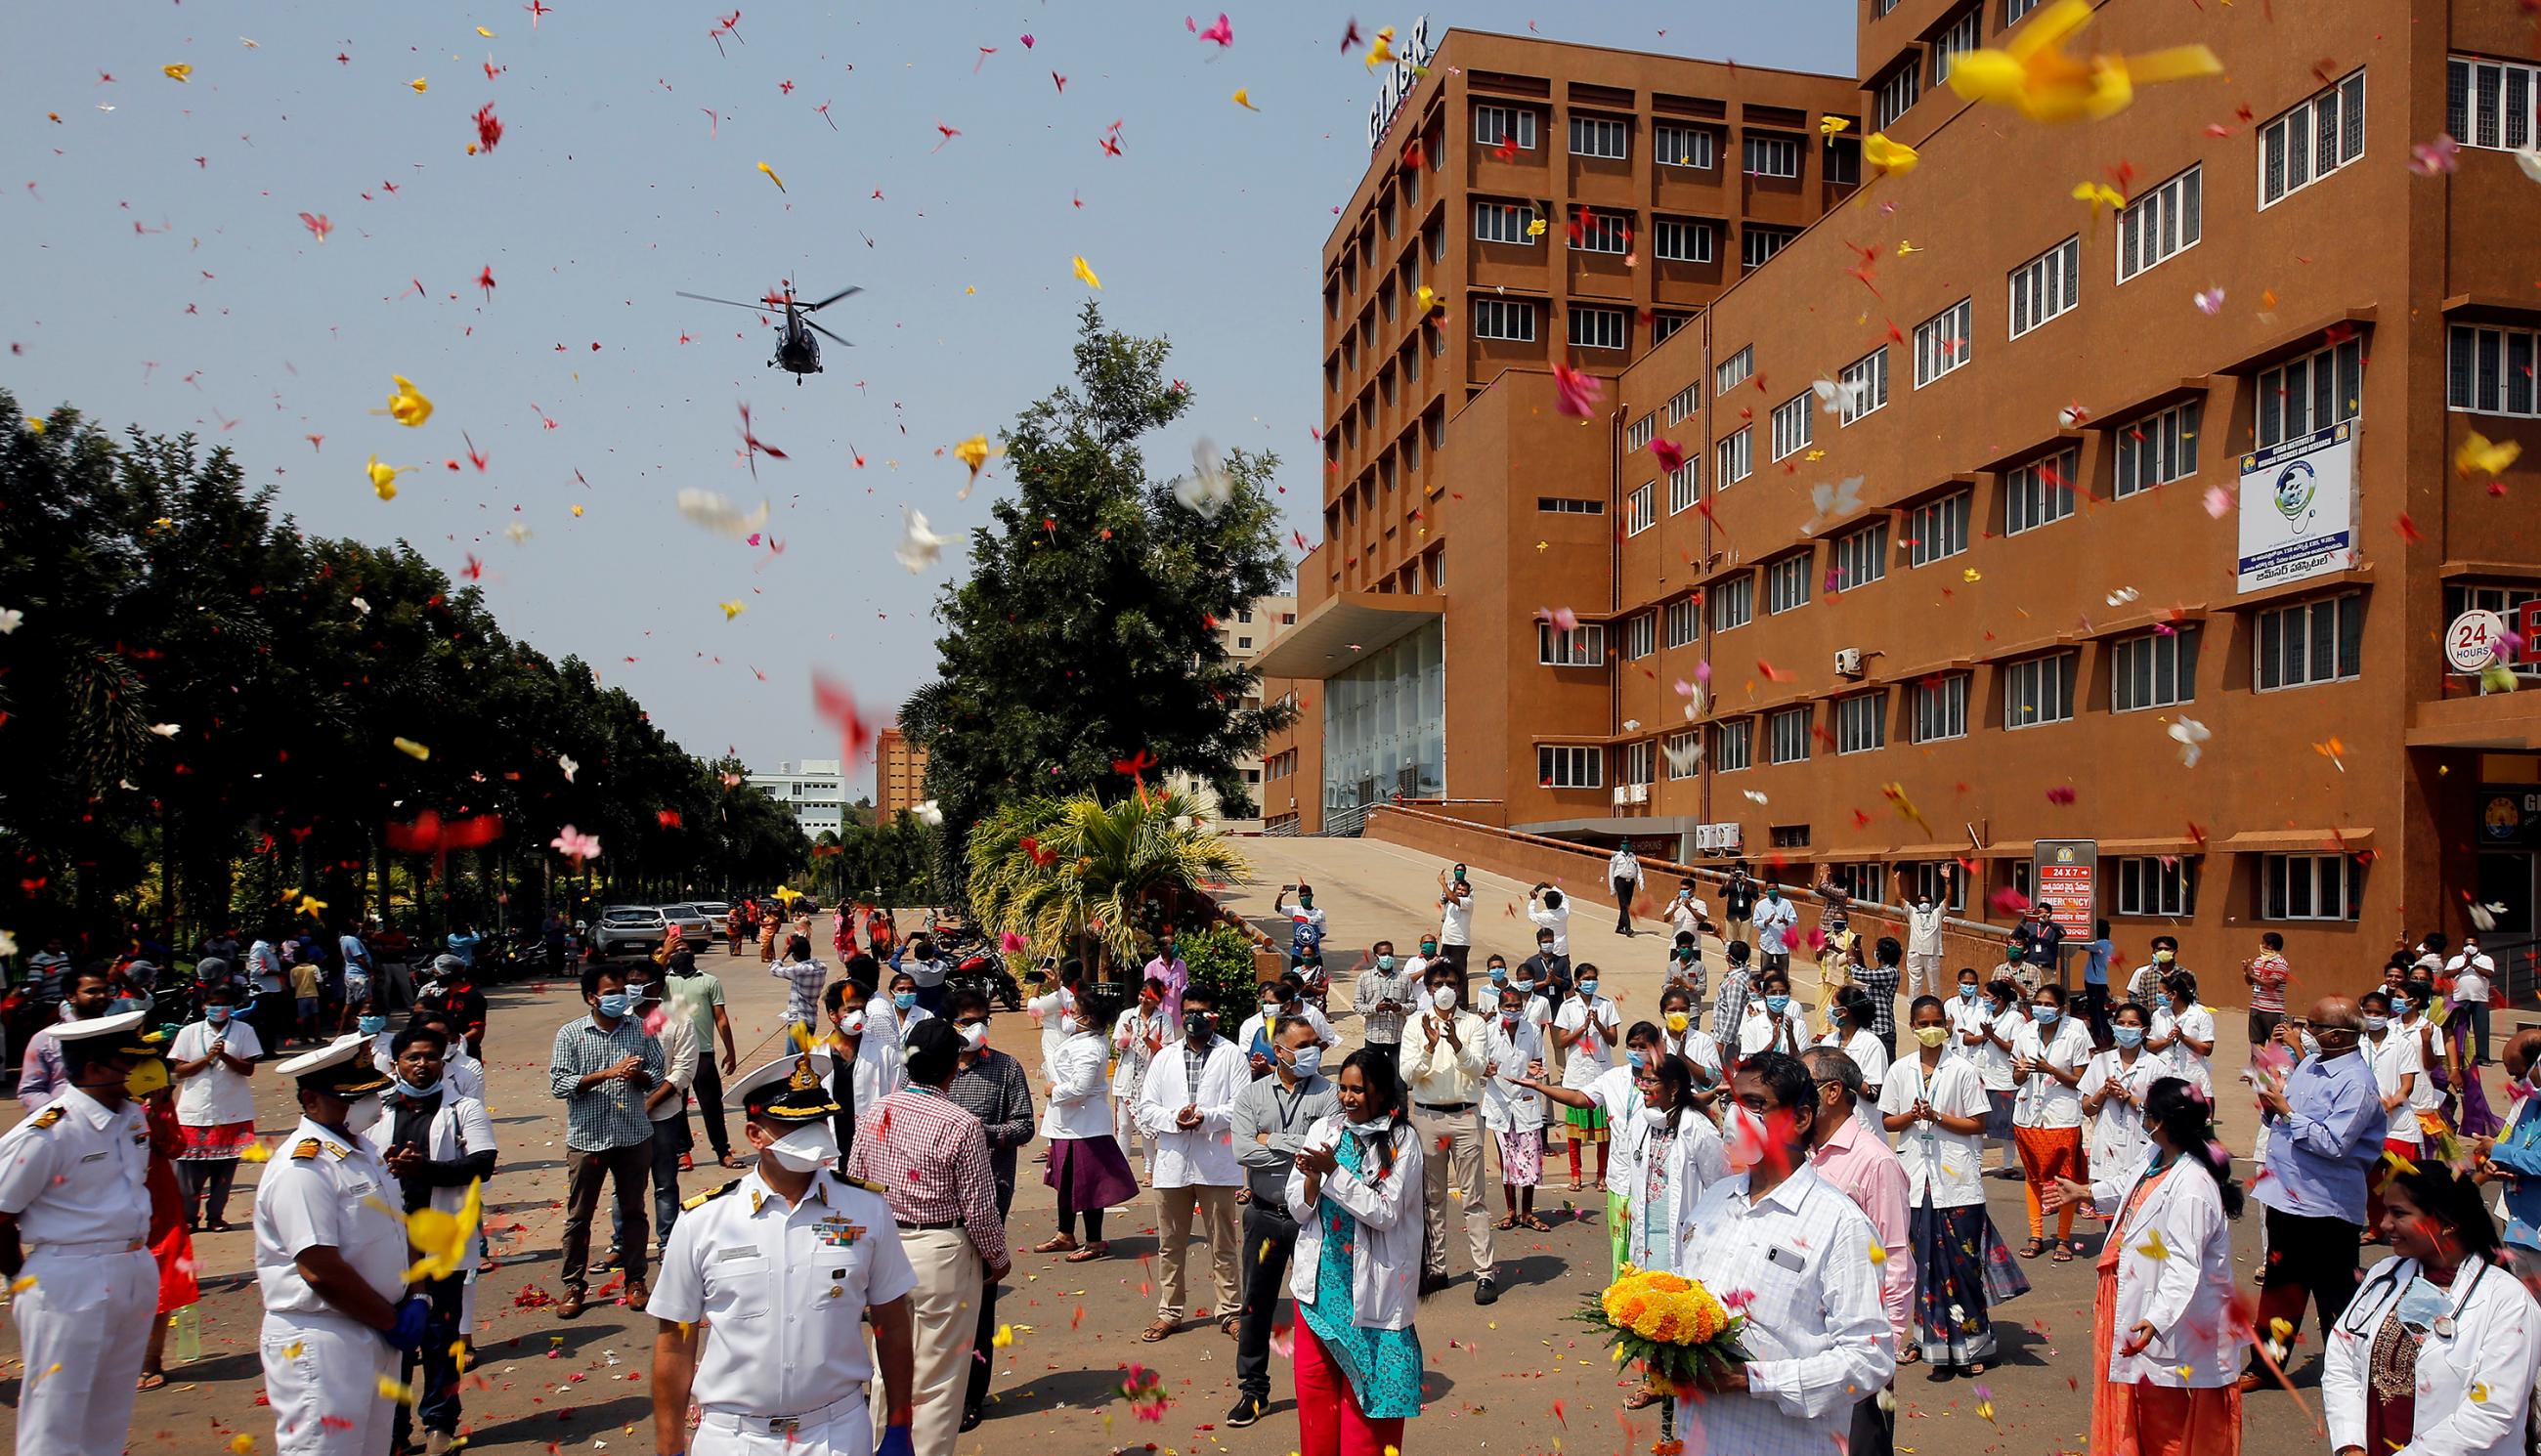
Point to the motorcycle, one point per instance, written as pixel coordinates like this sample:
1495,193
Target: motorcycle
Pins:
984,970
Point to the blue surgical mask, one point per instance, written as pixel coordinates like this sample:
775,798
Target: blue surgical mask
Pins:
1636,1061
372,1026
2128,1035
903,1000
216,1015
1385,963
1522,986
1499,974
2399,1005
411,1092
612,1004
1967,993
1777,1004
2045,1015
1588,988
1306,1062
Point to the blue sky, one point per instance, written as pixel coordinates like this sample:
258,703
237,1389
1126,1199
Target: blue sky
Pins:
159,274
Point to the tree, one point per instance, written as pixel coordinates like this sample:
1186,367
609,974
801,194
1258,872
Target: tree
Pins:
1080,653
1079,876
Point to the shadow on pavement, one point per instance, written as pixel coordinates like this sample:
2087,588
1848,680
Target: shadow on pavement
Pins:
548,1428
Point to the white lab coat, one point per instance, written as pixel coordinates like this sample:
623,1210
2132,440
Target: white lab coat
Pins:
2494,1347
1078,1106
1384,1260
1130,1040
1697,1158
2182,1284
1506,1106
1200,1156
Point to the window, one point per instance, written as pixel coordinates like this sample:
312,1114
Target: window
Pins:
1244,642
1639,511
1787,736
1941,342
2488,104
2312,140
2155,669
1682,146
1638,761
2312,392
1787,835
1757,244
2021,872
1896,97
1570,767
2046,287
1581,646
1861,557
1862,722
1684,402
2160,223
1683,622
1941,528
1865,878
2491,371
1960,38
1637,437
1733,744
1865,386
1504,222
1942,882
2157,451
1733,371
1683,759
1786,583
1505,317
1938,709
1599,328
1604,232
1683,242
2312,887
1641,636
1733,459
1733,602
1773,156
2319,641
1569,505
1842,164
1594,136
2157,885
1792,425
1663,325
2038,493
2039,690
2013,9
1496,126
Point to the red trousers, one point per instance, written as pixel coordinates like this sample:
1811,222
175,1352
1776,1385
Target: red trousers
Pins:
1329,1420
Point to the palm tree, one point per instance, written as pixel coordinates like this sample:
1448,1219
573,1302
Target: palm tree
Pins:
1089,876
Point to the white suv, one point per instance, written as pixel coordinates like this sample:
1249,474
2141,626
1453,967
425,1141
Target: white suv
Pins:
629,926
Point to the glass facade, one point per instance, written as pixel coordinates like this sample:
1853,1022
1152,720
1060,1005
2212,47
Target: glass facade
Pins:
1385,724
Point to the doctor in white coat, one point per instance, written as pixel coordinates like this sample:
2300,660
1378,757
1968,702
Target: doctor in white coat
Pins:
1188,1105
2173,1349
2443,1321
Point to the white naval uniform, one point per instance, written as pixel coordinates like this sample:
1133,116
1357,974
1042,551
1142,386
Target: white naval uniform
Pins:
783,1365
322,1369
73,1174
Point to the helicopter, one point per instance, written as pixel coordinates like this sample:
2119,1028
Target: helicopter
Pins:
797,353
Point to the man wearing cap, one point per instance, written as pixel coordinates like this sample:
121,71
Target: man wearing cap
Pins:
781,1268
330,1257
74,1221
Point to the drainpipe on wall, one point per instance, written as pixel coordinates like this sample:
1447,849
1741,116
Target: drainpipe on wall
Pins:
1615,557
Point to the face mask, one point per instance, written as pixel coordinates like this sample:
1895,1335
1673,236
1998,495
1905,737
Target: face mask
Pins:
2374,1023
1678,1021
1443,999
1306,1062
1932,1036
1544,948
1429,947
1777,1004
145,1078
1271,1009
1306,901
1197,1025
615,1004
1508,1019
2163,957
1635,1059
371,1025
1588,988
1967,993
1743,1138
1656,1118
1499,974
2045,1015
1373,1128
807,1150
413,1093
2399,1005
1385,963
903,1000
364,1115
216,1015
1068,1026
1167,951
2128,1037
852,1024
1521,986
973,1037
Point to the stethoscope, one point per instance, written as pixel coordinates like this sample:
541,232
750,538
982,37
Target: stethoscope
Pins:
2445,1325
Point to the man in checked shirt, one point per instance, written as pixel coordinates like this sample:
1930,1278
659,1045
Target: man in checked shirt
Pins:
931,1158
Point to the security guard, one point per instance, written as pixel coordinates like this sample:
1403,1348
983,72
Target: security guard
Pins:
781,1266
330,1258
74,1220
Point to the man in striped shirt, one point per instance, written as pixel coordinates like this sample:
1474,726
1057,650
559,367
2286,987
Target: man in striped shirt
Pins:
603,1067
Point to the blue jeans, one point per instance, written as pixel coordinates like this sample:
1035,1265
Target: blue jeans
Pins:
671,1139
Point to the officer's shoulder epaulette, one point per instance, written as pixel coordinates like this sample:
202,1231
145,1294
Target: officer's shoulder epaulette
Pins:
709,1195
48,1116
305,1149
867,1184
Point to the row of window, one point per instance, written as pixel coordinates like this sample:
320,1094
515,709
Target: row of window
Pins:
1693,147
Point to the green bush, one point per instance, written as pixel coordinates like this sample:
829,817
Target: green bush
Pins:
1221,959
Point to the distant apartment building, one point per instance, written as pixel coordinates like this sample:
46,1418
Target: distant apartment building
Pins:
900,774
1245,639
815,789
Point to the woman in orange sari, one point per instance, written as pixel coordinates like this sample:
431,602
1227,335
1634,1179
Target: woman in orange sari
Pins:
2164,1344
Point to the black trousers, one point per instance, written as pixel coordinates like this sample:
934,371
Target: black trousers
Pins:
984,1337
1874,1432
1270,1240
1461,957
2306,1257
437,1399
1624,904
708,1090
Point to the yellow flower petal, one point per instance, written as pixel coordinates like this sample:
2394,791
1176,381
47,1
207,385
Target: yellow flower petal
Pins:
178,72
412,749
1085,273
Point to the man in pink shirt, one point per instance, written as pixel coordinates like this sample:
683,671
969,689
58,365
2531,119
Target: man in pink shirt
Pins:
1858,1161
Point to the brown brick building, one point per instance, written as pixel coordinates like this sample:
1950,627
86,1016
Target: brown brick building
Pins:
900,774
1989,495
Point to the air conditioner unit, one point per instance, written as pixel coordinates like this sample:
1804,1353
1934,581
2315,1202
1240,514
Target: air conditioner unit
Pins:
1847,662
1640,793
1731,839
1622,795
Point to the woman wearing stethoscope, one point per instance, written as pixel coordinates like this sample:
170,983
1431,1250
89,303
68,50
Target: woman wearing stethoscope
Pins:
2438,1350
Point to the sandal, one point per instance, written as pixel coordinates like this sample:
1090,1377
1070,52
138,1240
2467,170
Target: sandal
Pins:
1231,1325
1508,1221
2033,1248
1577,1187
728,1160
1099,1249
1909,1355
150,1380
1535,1223
1642,1400
2062,1253
1060,1245
1154,1334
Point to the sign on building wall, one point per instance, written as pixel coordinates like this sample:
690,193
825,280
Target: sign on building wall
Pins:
2298,509
2064,879
2509,816
1412,55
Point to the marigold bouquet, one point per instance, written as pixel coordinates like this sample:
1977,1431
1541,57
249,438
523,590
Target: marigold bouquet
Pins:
1672,1324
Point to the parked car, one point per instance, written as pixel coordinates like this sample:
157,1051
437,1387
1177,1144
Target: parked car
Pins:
715,912
695,928
629,927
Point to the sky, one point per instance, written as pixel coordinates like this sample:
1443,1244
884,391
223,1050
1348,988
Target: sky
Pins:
161,272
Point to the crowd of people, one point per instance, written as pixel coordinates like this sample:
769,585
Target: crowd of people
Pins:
1797,1154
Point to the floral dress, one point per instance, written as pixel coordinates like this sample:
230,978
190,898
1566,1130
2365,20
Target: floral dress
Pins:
1383,1365
1655,1211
